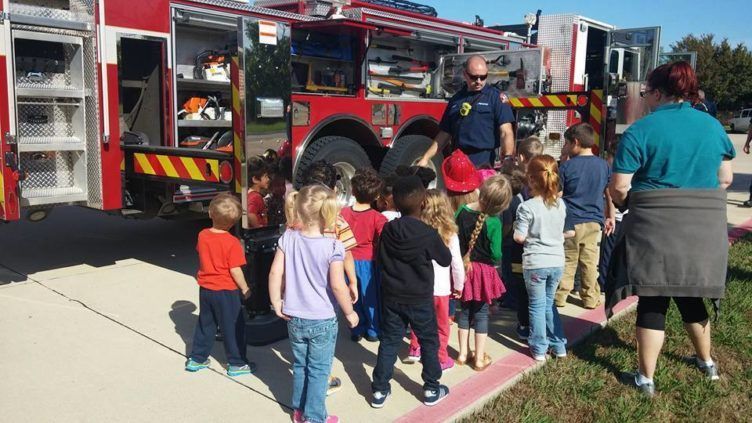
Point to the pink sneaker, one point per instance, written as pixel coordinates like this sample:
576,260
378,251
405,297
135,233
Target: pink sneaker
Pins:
297,416
447,365
329,419
413,355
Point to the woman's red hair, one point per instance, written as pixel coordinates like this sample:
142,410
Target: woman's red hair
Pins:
676,79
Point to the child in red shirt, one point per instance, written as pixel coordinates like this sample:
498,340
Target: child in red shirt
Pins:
258,175
220,276
366,224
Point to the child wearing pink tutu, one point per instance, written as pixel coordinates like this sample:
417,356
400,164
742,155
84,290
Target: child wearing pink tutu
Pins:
480,233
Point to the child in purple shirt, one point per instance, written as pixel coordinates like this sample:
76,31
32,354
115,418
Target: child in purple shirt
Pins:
313,271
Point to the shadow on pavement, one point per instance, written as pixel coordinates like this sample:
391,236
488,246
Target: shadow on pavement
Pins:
73,236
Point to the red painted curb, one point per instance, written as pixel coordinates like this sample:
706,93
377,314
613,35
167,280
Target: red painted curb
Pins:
735,233
504,371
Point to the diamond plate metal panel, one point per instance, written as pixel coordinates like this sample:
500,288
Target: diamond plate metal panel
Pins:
42,120
67,172
555,33
51,169
93,131
49,80
49,30
236,5
72,15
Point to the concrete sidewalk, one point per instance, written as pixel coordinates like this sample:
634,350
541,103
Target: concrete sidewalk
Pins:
98,313
99,328
738,192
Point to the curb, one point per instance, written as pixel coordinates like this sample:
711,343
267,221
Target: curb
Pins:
737,232
473,393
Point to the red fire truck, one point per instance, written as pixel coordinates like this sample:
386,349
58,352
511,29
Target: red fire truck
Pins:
149,108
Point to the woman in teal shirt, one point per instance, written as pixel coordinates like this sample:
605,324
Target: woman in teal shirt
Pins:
681,155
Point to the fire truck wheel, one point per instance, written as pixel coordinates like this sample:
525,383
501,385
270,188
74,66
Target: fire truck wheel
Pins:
345,154
407,151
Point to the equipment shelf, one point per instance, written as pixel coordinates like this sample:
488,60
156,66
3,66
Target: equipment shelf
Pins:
204,123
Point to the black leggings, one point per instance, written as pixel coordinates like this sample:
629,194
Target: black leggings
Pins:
651,311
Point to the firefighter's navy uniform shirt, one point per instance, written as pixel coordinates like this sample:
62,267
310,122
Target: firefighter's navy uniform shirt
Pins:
476,134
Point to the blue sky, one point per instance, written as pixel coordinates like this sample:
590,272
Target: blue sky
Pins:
730,19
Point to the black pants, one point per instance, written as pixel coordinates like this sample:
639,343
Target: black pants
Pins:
223,309
394,320
607,247
651,311
523,302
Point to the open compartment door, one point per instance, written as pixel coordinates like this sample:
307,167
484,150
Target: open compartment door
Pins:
262,100
8,156
632,54
517,73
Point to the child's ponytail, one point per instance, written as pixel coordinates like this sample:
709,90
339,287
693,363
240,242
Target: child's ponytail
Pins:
543,177
290,214
312,205
329,211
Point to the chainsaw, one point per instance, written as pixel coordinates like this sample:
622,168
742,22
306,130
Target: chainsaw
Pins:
212,65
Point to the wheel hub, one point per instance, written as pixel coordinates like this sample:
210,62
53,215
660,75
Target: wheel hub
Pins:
345,171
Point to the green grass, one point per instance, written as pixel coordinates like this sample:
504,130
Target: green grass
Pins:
584,387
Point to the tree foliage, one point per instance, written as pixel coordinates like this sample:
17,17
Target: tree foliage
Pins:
724,72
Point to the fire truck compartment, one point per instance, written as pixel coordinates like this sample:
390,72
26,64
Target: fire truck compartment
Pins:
404,67
204,47
141,71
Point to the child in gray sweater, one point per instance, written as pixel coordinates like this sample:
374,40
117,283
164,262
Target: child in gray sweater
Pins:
540,227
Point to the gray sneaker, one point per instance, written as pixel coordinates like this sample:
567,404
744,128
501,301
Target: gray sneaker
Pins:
710,371
630,379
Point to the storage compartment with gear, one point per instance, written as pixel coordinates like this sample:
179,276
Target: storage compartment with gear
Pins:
48,65
205,47
51,121
405,67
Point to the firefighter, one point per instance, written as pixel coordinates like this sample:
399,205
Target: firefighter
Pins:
475,120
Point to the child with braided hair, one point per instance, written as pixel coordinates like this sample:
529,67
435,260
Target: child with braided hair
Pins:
480,233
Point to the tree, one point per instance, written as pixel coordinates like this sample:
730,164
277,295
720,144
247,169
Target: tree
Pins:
724,73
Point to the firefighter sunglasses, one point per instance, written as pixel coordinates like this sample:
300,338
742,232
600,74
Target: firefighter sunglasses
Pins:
476,77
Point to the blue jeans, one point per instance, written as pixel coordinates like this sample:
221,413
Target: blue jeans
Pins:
545,324
312,343
368,305
475,314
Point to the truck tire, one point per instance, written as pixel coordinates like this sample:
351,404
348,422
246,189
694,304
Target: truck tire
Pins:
345,154
732,128
407,151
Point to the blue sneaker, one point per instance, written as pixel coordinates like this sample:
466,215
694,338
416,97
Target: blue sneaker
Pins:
245,369
523,332
194,366
379,398
434,396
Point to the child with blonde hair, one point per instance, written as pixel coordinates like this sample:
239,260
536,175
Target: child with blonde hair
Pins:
221,280
438,214
480,241
305,282
539,226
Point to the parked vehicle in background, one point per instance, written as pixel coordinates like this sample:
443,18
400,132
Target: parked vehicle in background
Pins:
740,121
